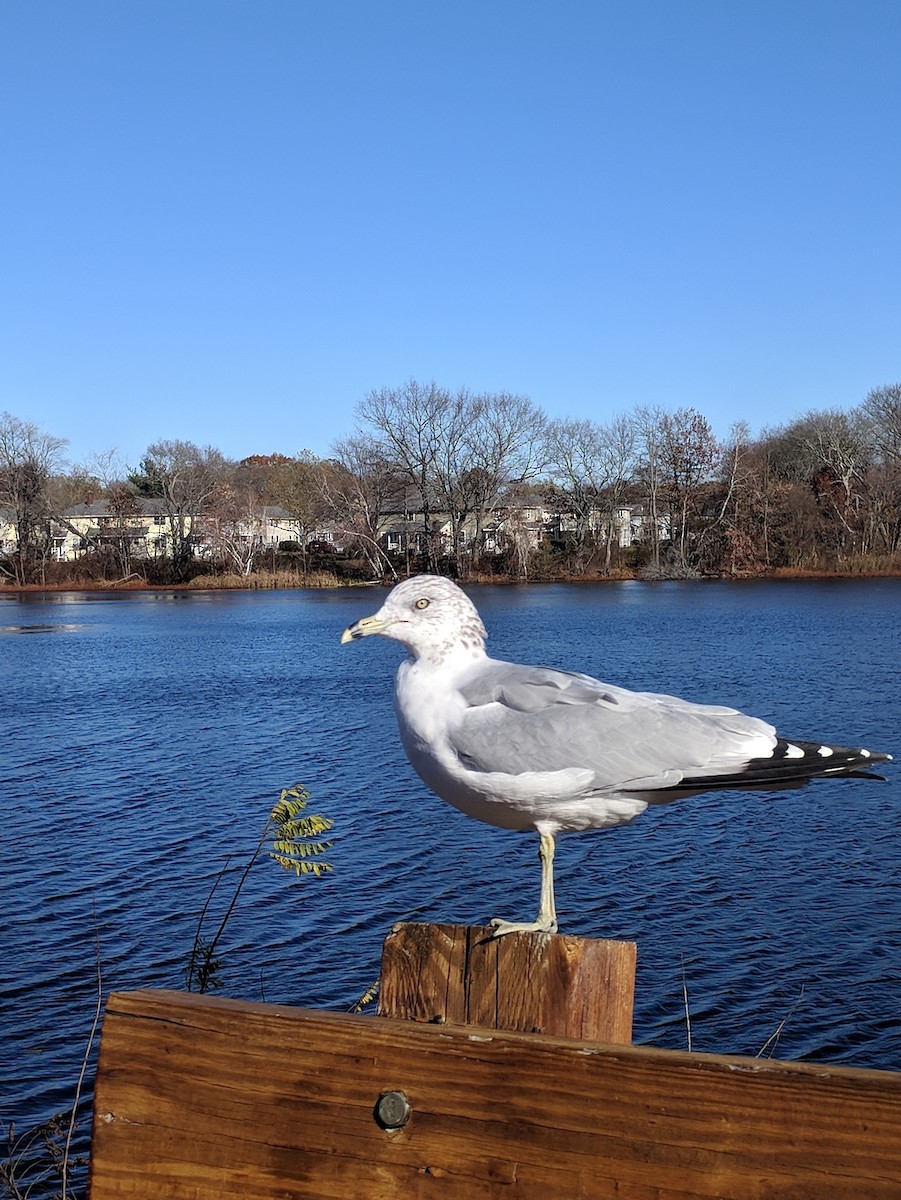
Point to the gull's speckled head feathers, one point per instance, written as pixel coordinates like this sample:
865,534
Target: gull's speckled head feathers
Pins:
429,615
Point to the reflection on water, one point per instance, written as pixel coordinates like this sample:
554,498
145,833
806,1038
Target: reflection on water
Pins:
144,743
39,628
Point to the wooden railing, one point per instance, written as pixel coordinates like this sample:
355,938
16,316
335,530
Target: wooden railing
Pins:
446,1096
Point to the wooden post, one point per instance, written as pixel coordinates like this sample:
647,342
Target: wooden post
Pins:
523,982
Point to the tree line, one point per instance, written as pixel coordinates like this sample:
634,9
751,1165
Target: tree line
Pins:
819,493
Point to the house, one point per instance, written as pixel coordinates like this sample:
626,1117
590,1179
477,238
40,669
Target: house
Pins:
126,522
509,519
138,527
524,519
277,526
130,522
7,532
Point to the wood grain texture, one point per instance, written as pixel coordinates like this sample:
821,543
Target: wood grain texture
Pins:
200,1097
532,983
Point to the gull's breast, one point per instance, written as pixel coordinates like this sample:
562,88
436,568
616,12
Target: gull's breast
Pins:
568,798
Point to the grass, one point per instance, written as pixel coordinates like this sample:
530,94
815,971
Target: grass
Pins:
264,580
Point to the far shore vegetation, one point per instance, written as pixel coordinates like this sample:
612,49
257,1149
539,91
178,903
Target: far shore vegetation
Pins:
272,580
481,487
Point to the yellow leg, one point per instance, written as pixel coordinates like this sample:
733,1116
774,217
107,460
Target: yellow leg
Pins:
546,921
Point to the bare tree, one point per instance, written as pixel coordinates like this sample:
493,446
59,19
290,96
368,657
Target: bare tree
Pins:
518,531
619,439
731,526
294,484
356,488
882,412
454,453
648,423
184,477
120,531
688,453
835,441
576,453
416,424
733,466
233,520
28,459
833,451
497,449
593,464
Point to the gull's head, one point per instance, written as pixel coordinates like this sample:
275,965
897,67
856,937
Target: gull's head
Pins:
429,615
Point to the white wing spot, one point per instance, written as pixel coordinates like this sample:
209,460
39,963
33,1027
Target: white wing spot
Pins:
864,754
825,751
793,751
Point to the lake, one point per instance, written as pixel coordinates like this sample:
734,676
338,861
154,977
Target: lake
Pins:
146,736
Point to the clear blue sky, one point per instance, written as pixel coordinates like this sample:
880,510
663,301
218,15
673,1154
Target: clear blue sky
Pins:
227,220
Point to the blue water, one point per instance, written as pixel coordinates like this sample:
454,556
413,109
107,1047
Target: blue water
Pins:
145,737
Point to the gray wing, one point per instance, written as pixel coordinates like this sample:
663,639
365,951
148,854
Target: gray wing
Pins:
521,718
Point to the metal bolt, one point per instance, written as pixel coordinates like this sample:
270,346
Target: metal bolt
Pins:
392,1110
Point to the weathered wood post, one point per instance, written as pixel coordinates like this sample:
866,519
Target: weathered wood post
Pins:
524,982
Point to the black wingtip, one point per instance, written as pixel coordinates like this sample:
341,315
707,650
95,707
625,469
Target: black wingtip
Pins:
794,763
824,758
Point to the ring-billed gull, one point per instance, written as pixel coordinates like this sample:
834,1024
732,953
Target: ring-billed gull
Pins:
533,748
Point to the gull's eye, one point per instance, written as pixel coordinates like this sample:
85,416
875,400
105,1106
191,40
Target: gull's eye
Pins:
423,603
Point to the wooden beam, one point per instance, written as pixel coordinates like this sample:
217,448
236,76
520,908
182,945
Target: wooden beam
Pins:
209,1098
527,982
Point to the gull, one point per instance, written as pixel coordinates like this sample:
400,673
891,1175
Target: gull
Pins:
553,751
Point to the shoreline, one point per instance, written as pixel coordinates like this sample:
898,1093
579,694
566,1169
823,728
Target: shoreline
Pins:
201,584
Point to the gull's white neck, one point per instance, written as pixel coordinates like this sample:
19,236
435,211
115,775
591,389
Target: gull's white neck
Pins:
450,657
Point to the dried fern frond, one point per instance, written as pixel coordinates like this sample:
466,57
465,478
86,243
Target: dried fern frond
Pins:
291,838
294,843
367,998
